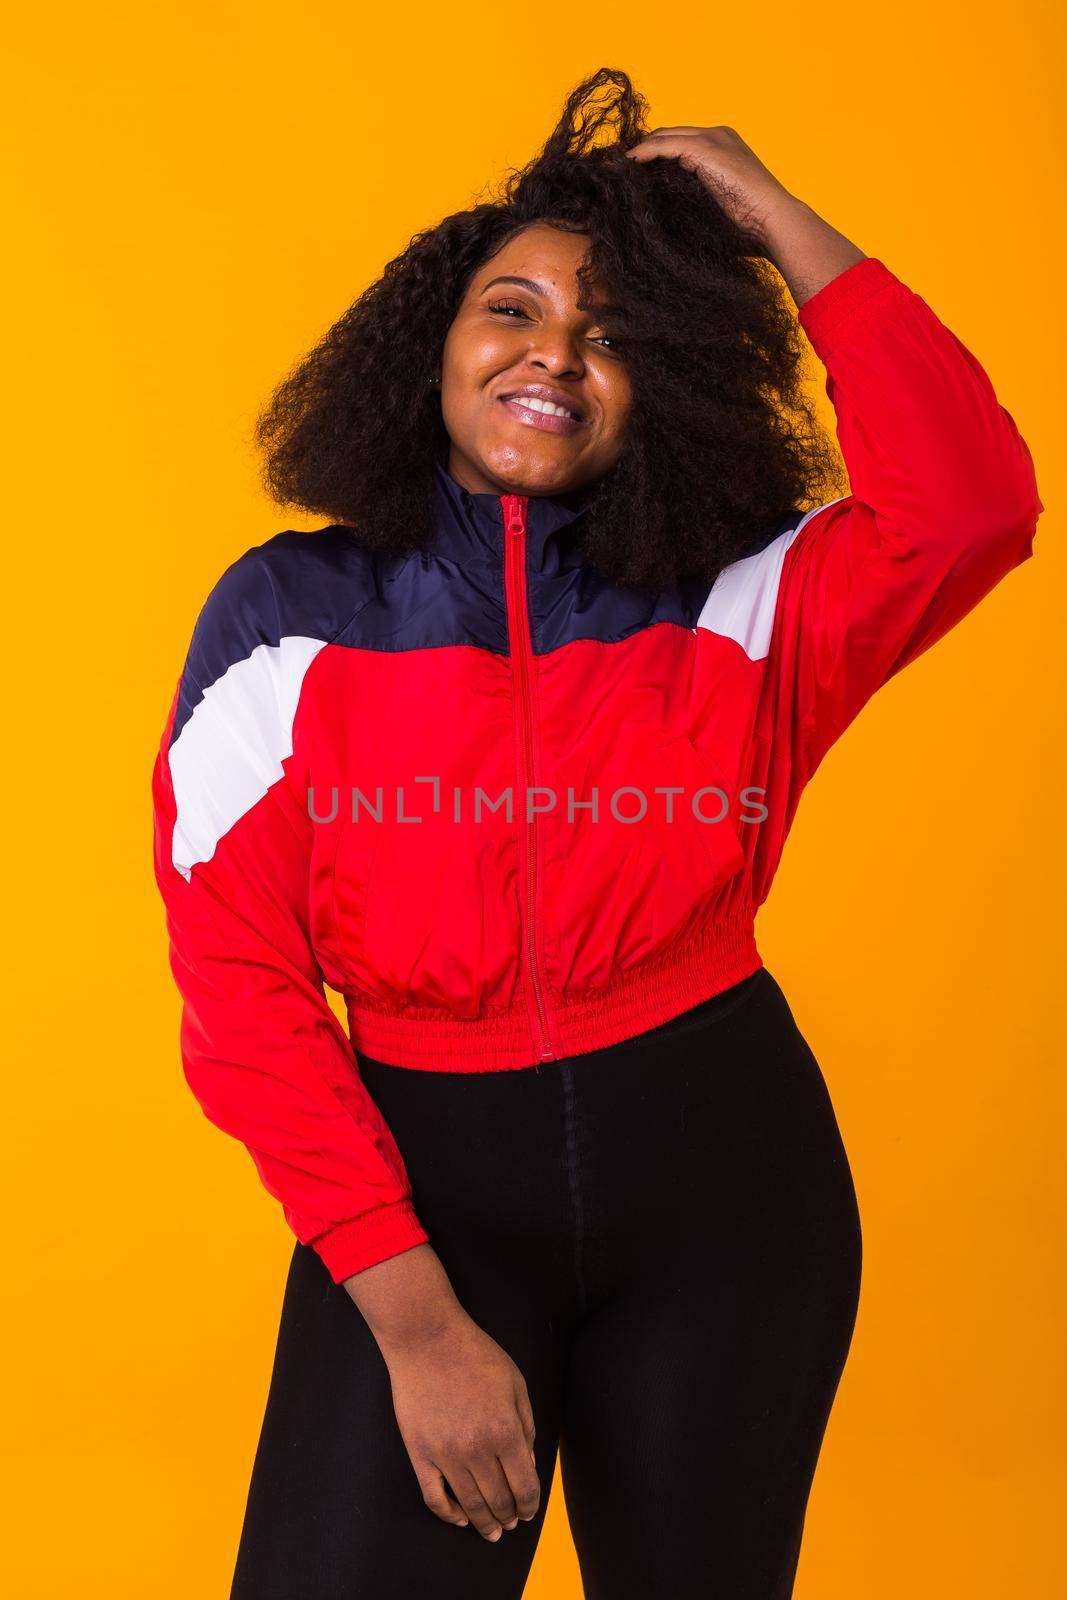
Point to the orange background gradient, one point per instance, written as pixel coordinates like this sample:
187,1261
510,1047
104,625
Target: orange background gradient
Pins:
199,190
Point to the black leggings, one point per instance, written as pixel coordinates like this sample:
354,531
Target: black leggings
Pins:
664,1236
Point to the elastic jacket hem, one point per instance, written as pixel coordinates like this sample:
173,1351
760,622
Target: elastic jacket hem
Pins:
643,997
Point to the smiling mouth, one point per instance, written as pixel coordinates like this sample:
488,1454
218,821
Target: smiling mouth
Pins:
536,413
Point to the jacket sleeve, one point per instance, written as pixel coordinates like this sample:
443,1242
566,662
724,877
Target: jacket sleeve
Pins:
261,1048
943,504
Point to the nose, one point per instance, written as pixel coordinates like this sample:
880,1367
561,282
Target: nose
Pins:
555,351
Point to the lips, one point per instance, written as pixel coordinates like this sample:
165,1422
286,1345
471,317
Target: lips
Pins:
545,391
516,403
546,421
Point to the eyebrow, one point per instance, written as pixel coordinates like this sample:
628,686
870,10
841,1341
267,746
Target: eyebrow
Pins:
524,283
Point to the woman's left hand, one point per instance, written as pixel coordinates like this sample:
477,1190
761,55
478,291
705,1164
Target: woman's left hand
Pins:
806,250
749,194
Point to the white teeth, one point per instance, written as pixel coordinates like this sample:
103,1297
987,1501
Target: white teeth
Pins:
535,403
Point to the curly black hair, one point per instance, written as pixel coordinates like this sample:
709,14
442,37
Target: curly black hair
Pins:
722,437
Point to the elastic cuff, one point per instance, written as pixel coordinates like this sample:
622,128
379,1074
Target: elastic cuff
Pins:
366,1240
832,305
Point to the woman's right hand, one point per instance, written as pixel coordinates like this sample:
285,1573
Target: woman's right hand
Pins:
461,1403
465,1418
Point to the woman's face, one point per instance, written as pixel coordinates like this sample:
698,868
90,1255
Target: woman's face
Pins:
519,329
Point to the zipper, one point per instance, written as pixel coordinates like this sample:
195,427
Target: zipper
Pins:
514,508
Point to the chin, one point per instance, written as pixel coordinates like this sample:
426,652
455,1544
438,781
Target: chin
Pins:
529,471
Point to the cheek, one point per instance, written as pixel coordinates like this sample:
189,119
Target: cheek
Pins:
467,374
471,356
617,403
466,413
460,385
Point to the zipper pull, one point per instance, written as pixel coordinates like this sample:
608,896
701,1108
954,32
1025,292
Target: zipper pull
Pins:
515,513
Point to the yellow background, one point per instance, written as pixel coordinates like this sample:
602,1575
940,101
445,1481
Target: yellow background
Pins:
200,189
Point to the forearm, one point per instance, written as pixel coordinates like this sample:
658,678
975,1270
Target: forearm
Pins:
406,1300
944,503
928,447
806,250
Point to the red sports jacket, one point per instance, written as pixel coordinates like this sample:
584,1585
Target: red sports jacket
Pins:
512,811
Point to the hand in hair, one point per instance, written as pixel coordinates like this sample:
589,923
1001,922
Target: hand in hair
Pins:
736,177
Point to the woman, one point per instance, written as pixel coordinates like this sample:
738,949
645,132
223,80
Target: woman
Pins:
507,754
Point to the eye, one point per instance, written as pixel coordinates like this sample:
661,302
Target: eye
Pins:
506,305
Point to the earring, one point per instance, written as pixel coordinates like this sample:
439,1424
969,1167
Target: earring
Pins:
436,378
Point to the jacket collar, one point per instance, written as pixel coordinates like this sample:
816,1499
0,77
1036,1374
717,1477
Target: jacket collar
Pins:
472,525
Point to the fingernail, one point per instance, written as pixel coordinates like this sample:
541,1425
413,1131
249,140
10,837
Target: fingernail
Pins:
512,1524
464,1523
496,1534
